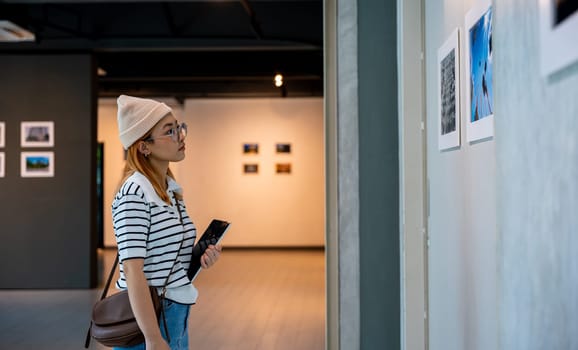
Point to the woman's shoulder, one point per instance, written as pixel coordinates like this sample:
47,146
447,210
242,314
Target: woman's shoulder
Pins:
131,186
139,185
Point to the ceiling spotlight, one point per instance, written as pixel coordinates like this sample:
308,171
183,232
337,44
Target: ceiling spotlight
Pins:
278,80
101,72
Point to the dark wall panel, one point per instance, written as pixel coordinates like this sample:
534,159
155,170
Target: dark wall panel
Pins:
378,176
47,224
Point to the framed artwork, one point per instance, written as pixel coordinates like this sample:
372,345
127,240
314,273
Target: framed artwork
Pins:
283,168
2,134
251,168
479,72
283,148
37,164
2,164
558,29
37,134
250,148
449,92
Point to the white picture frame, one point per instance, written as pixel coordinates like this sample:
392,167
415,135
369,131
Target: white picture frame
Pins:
2,134
558,30
479,72
37,134
2,165
37,164
449,92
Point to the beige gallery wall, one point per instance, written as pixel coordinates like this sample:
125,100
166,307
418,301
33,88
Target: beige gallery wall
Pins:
266,209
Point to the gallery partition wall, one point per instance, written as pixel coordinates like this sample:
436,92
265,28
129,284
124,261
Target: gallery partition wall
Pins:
363,246
47,210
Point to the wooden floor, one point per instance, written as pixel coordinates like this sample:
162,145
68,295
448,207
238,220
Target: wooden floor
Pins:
251,299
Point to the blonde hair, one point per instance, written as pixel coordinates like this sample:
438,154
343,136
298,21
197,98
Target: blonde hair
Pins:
136,161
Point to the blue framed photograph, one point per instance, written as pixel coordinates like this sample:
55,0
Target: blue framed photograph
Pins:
479,72
37,164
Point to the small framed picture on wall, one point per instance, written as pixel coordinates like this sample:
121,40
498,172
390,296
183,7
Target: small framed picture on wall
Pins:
37,134
250,148
283,168
37,164
283,148
558,29
252,168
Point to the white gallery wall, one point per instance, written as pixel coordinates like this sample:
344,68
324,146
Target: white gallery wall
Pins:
462,214
267,209
503,268
537,187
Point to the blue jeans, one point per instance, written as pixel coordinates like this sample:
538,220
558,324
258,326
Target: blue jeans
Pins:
177,316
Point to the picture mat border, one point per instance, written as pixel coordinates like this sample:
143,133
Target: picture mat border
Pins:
558,48
452,139
28,124
2,164
483,128
25,173
2,134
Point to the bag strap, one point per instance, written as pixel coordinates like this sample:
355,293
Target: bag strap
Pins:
171,270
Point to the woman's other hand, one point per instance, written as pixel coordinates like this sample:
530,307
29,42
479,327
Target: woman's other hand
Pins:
211,255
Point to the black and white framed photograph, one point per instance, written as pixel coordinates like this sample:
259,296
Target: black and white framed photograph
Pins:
2,164
37,134
449,92
479,72
37,164
251,168
2,134
558,30
283,148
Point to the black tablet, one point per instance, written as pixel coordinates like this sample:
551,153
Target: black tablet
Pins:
212,235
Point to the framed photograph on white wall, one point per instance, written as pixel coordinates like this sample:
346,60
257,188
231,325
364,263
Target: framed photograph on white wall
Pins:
37,134
558,30
479,72
449,92
250,148
2,134
37,164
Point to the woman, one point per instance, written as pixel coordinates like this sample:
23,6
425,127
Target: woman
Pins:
153,231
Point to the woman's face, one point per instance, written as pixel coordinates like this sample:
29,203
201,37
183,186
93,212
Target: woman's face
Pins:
167,140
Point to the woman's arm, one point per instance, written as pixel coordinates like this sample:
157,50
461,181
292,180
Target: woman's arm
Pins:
142,304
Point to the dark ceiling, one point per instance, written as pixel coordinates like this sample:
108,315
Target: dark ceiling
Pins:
183,49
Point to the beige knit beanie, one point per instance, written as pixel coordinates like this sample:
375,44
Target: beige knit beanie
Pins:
136,116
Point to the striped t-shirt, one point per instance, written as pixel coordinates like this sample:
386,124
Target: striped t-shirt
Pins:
148,228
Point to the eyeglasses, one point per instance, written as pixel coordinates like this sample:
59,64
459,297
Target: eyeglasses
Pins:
176,133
